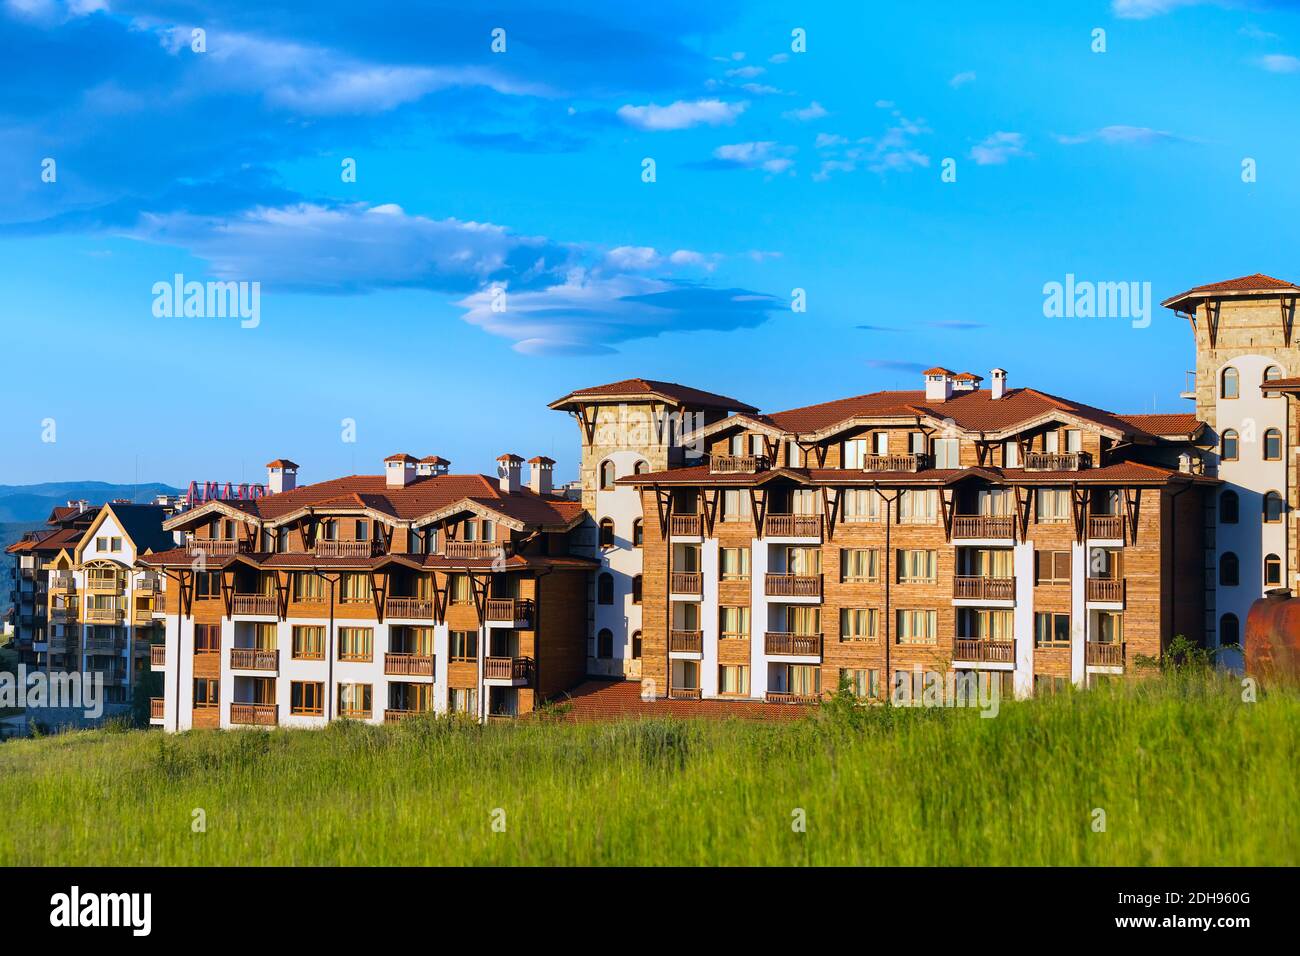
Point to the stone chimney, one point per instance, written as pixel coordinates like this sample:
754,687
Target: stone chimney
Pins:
508,468
938,384
999,387
431,465
966,382
399,470
540,473
281,475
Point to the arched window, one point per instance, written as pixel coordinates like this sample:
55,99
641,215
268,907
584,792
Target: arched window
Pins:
1273,507
642,467
607,532
605,588
605,644
607,476
638,533
636,589
1228,446
1273,445
1229,570
1228,383
1229,630
1272,571
636,645
1229,508
1272,373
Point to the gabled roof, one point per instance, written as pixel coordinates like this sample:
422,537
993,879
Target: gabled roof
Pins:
281,463
1176,425
142,525
1257,284
644,388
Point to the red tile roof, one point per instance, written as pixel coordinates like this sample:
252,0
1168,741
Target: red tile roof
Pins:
281,463
1180,423
1243,285
1282,384
1125,471
682,394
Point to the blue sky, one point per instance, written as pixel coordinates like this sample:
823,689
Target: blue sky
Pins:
523,170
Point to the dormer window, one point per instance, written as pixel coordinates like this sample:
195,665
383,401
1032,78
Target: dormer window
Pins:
1073,440
1051,442
363,530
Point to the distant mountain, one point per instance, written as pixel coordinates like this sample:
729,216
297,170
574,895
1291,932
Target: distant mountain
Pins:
24,504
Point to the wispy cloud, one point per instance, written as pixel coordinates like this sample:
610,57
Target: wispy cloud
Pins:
812,111
767,155
961,79
997,148
1123,135
956,325
894,365
1145,9
1280,63
682,114
1255,33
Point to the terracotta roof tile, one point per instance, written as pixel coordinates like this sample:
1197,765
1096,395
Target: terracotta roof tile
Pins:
1180,423
684,394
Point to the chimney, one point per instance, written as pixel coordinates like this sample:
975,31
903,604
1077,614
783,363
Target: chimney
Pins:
431,465
399,470
539,474
999,388
966,382
281,475
508,468
938,384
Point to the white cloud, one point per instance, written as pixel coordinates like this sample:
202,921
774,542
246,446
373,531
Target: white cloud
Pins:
1280,63
885,104
746,72
1255,33
812,111
1122,135
766,155
829,140
1145,9
778,58
961,79
681,114
997,148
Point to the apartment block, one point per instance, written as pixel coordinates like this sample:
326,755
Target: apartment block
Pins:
29,589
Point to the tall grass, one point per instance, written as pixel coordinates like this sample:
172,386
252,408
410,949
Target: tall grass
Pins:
1185,772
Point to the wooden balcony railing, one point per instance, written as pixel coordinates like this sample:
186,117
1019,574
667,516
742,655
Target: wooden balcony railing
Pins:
1057,461
392,716
980,649
983,526
793,526
104,615
157,655
686,526
775,697
1105,655
346,549
684,693
472,549
686,642
63,582
792,645
1106,526
687,582
104,585
408,665
737,464
509,610
413,607
142,616
260,715
792,585
979,588
254,659
156,708
1110,590
146,584
255,604
218,548
895,462
507,668
104,645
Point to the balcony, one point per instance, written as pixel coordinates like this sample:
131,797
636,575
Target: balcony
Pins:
142,616
687,582
684,693
793,526
408,665
255,604
64,615
983,650
737,464
258,715
104,615
104,585
254,659
1104,655
63,583
157,655
217,548
979,588
793,585
1106,526
472,549
684,526
686,642
983,526
146,584
778,697
895,462
786,644
104,645
507,668
1057,461
415,608
1105,590
156,708
516,611
393,716
346,549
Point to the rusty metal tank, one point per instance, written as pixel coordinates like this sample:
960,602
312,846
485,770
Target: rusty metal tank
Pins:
1272,643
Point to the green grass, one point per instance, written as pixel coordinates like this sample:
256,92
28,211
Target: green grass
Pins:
1186,773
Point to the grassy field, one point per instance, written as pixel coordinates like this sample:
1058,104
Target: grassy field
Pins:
1185,772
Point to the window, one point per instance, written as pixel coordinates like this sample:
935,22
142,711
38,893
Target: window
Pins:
605,644
1229,508
996,501
1051,630
641,467
985,624
329,529
308,587
636,645
733,622
858,565
803,620
636,589
685,675
206,692
462,700
1052,504
1229,445
1110,627
354,588
860,504
946,452
917,506
855,452
207,638
916,566
462,645
607,476
804,680
733,680
1051,567
733,564
607,532
1229,631
207,584
880,443
638,533
1073,440
793,455
735,505
1228,383
1051,442
1044,685
1272,571
916,443
362,532
1010,454
917,627
1272,373
605,588
1272,508
354,700
806,561
863,683
858,623
1229,570
1273,445
458,589
306,698
308,642
101,544
356,643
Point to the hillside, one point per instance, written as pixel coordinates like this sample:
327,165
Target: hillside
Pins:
33,503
